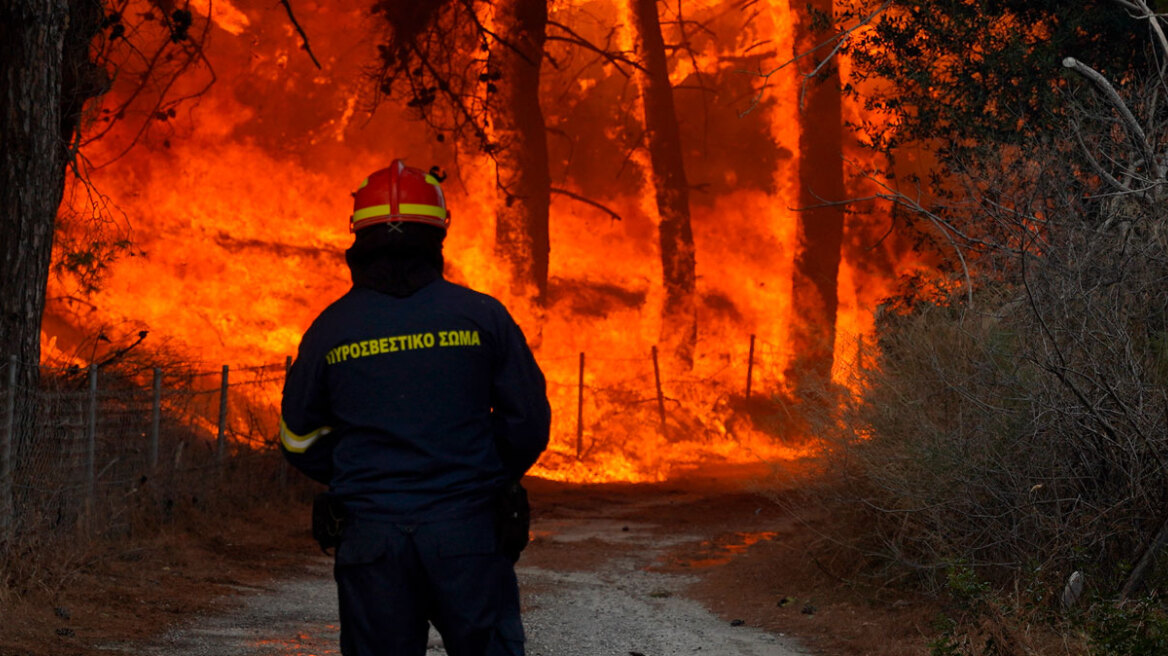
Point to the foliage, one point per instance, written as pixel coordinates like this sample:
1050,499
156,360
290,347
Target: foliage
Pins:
1014,422
962,72
1137,628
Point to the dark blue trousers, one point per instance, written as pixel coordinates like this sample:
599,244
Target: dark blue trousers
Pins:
393,580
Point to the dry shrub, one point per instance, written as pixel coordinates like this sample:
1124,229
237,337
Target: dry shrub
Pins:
1013,426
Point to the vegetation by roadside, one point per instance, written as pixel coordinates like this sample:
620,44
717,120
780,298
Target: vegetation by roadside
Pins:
1005,453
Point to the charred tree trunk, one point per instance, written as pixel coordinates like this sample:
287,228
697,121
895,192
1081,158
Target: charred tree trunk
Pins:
521,156
820,229
45,78
679,325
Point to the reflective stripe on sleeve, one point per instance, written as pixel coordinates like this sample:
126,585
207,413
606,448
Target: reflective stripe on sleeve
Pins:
300,443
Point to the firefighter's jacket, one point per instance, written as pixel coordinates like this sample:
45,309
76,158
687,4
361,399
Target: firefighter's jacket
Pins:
414,409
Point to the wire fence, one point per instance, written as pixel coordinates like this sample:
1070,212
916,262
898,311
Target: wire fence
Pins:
103,448
106,450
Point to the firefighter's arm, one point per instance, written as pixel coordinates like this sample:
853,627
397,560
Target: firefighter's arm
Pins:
305,425
521,415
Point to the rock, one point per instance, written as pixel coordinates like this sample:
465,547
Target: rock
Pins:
737,622
1073,590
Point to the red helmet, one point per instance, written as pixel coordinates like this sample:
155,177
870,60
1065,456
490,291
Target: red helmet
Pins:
399,193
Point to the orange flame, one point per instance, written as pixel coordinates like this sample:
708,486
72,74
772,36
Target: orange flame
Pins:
239,204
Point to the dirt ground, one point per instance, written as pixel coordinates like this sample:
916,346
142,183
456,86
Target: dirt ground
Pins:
745,557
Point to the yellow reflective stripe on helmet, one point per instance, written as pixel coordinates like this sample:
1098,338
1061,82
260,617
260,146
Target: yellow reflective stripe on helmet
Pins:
363,183
300,443
423,210
370,212
432,180
404,209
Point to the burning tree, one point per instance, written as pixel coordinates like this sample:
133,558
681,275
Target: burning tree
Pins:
679,322
821,202
478,76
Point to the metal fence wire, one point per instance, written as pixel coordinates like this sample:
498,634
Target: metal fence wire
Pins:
101,449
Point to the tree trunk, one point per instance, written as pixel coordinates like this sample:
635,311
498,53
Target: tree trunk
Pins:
679,324
820,229
45,78
521,212
32,179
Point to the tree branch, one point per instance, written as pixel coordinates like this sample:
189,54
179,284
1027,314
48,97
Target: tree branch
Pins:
1135,132
614,58
303,35
586,201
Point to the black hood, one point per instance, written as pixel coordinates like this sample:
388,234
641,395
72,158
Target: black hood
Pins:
396,258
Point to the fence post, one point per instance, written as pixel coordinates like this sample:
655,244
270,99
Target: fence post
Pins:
155,418
749,367
283,460
6,501
580,411
91,439
222,440
660,396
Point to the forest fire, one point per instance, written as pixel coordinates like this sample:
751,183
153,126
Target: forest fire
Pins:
234,204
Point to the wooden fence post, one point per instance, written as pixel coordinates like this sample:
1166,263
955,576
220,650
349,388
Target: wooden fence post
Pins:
7,521
222,439
580,411
91,439
155,418
660,396
749,367
283,460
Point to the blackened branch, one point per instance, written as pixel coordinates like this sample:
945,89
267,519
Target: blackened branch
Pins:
587,201
300,30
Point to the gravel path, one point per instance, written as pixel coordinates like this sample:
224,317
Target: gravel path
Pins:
591,592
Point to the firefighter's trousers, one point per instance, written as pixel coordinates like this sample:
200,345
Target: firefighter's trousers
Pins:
393,580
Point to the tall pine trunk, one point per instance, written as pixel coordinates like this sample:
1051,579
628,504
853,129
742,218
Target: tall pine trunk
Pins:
521,213
679,324
820,229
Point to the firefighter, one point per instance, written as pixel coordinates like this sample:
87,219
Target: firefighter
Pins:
418,402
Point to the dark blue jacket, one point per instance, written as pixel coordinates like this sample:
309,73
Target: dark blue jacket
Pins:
414,409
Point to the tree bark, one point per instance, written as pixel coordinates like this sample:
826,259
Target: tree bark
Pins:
521,156
679,320
820,228
32,179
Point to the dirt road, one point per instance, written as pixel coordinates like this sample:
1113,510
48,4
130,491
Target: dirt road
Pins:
609,572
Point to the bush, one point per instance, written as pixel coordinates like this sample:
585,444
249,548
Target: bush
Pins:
1016,422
